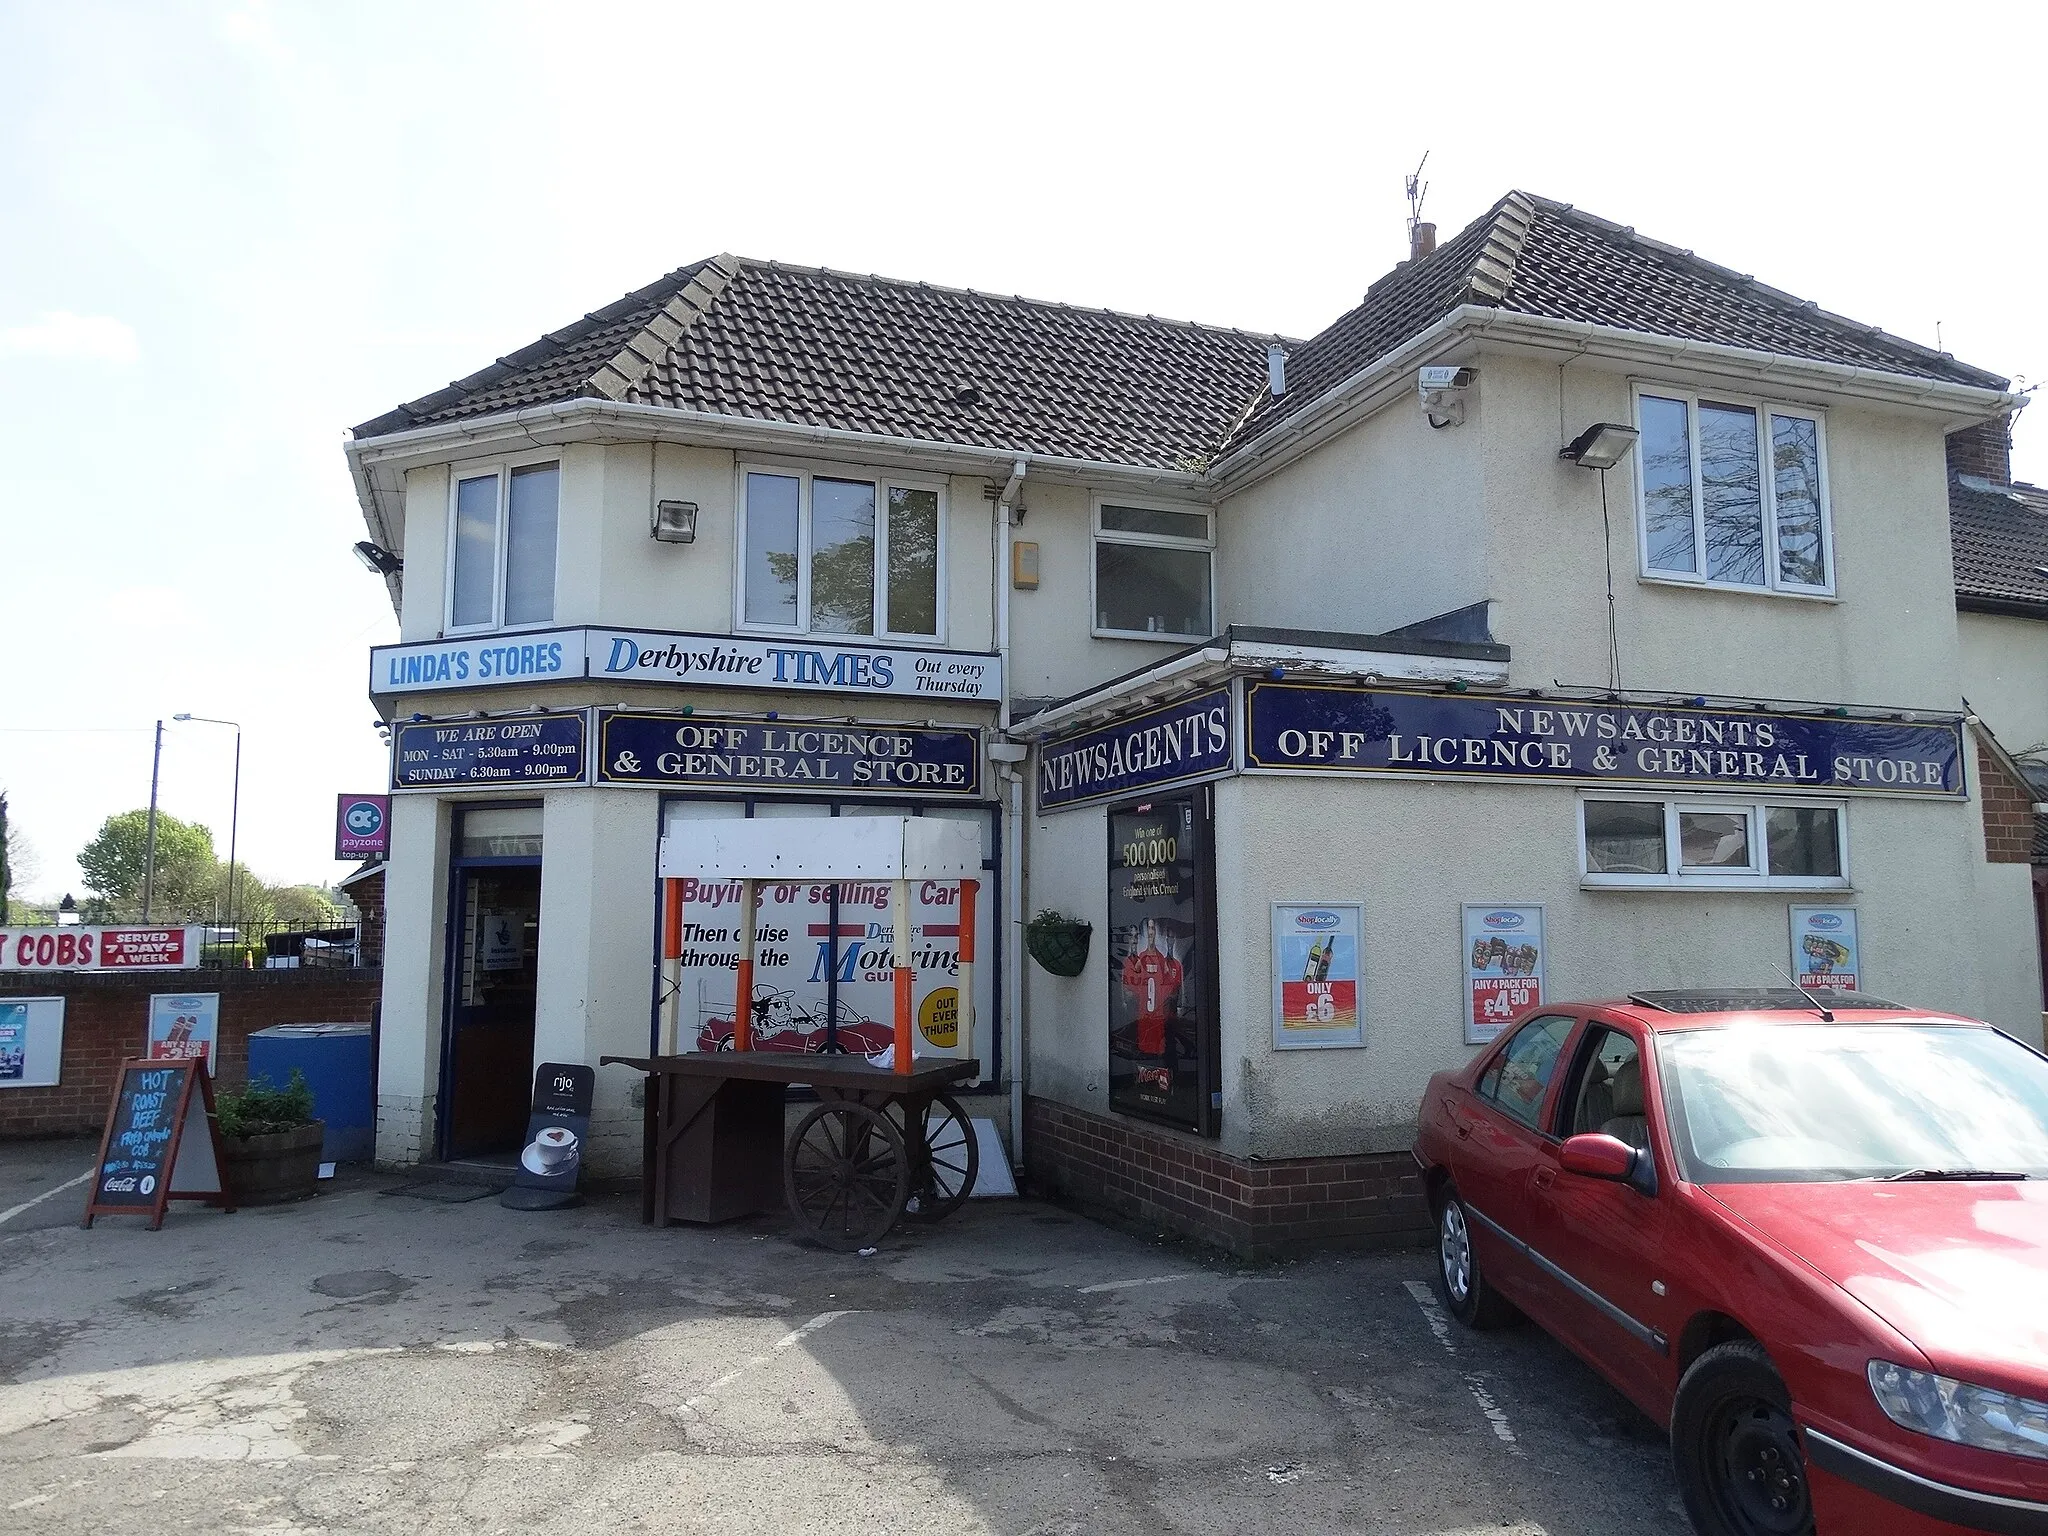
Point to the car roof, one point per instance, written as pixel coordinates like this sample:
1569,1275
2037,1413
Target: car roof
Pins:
1712,1007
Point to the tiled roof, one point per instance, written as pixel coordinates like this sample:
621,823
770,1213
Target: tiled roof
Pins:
2000,537
763,341
1529,255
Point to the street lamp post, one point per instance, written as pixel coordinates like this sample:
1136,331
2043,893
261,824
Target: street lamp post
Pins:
235,813
156,762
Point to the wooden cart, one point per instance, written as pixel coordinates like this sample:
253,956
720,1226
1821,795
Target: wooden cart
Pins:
880,1145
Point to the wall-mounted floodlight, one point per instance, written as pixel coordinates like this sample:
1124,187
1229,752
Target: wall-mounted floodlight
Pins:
378,560
1601,446
675,522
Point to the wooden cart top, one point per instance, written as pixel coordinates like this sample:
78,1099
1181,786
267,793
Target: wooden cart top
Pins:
848,1073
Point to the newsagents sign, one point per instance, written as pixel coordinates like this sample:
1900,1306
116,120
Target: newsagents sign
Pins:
1175,744
804,665
1448,735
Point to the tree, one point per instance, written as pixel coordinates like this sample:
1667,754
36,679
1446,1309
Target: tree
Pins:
18,863
185,864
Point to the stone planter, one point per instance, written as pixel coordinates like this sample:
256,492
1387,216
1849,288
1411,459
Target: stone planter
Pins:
266,1170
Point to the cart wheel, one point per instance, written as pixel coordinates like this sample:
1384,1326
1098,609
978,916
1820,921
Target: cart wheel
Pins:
846,1175
947,1160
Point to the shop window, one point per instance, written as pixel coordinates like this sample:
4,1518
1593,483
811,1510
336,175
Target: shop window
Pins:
1153,572
1733,494
501,556
839,554
1637,841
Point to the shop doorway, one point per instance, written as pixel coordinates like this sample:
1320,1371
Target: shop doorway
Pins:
493,964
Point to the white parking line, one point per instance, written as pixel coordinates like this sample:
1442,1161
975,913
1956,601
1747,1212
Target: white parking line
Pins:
1125,1285
787,1341
1475,1383
15,1210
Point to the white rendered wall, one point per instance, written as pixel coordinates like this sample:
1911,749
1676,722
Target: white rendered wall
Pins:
423,587
2005,677
415,948
1067,1032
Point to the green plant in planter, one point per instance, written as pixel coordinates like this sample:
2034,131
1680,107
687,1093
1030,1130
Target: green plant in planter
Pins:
259,1109
1057,942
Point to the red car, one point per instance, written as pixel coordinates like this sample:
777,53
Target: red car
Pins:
1808,1232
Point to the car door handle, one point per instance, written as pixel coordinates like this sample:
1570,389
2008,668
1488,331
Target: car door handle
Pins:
1543,1178
1464,1128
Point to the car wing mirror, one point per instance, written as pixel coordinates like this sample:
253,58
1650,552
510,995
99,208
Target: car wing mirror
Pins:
1597,1156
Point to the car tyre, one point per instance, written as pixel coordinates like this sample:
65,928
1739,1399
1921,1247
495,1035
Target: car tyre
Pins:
1734,1447
1459,1281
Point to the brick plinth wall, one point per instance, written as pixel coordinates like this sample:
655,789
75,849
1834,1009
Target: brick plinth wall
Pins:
1256,1210
2008,803
106,1020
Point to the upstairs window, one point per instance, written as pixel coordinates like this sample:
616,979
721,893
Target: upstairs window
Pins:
839,554
1153,572
501,555
1734,493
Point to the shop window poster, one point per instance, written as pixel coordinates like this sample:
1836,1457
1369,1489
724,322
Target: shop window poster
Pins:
1504,957
183,1025
1316,975
1159,1027
31,1042
1824,948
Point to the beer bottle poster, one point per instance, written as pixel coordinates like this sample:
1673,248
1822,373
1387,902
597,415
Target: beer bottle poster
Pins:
1503,967
1155,1045
1316,975
1824,948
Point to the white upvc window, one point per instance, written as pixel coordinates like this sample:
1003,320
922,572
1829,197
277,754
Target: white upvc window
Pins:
1711,841
1733,492
1153,576
502,525
841,552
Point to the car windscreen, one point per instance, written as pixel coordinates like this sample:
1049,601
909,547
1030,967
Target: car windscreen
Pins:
1784,1103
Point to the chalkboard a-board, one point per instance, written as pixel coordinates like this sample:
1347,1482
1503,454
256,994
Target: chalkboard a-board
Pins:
161,1144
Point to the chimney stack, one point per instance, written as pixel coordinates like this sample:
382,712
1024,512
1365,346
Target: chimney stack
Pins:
1276,369
1983,451
1421,239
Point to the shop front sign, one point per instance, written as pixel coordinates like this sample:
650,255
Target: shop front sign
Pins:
806,665
688,751
1503,968
487,661
1177,743
1322,729
1824,948
1316,974
99,949
1164,1044
467,754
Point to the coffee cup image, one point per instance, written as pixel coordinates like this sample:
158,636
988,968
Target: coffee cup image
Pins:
554,1150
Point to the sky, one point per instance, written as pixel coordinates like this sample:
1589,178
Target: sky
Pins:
230,230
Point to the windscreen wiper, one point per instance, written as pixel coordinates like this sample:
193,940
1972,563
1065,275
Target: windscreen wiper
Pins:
1947,1175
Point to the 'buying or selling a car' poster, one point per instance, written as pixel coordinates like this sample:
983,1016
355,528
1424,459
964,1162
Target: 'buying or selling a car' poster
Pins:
1824,950
1315,975
1503,968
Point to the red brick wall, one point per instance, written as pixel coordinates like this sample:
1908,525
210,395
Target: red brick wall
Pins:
1984,450
1255,1210
367,896
107,1017
2008,804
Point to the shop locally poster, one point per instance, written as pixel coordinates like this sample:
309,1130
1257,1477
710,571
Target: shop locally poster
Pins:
1316,976
824,955
183,1026
1503,968
1824,948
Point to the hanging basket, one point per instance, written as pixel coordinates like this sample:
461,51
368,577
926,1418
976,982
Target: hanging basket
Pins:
1060,944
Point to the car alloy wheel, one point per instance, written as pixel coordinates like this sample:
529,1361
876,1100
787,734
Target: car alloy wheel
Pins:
1454,1252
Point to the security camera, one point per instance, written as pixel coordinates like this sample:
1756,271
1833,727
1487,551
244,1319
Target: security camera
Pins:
1441,390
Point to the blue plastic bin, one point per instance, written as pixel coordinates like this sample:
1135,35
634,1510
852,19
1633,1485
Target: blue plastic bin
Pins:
335,1059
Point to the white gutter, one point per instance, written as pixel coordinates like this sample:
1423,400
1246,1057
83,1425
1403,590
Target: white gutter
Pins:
1336,407
1088,703
1014,889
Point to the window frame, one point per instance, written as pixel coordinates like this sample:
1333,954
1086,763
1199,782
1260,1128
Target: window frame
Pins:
805,472
1755,807
1098,537
501,470
1773,585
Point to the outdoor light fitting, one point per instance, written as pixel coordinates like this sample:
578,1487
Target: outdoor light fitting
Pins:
1601,446
378,560
675,522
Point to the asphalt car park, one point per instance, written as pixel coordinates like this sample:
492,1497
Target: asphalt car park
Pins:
379,1360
